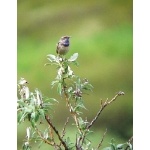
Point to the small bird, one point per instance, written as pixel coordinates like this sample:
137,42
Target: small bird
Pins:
63,45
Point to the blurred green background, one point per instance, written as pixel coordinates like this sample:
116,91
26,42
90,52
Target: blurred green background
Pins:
102,34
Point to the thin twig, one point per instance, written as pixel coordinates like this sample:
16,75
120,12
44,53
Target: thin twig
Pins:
74,115
51,133
64,128
100,144
106,103
55,130
45,140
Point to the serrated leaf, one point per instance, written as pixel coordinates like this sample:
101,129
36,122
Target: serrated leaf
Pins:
73,57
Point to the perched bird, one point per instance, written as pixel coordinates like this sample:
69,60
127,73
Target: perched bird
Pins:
63,45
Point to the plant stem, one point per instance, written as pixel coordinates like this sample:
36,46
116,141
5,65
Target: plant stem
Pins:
74,114
45,140
103,106
99,145
59,137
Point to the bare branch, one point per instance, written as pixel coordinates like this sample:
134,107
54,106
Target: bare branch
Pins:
63,131
100,144
55,130
106,103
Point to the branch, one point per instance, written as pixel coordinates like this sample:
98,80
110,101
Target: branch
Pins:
99,145
59,137
64,128
45,140
63,131
103,106
74,115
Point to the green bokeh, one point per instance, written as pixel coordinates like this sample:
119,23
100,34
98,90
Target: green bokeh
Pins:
102,34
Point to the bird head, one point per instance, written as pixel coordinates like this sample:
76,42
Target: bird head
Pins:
65,37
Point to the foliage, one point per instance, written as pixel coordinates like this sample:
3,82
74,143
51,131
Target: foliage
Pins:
123,146
35,108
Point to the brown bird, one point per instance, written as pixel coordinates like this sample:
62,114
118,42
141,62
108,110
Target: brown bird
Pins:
63,45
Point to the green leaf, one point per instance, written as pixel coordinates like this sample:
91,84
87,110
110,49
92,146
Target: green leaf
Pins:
70,145
21,103
26,146
59,88
22,81
70,89
73,57
54,82
36,117
33,115
70,72
130,146
107,148
33,123
23,117
80,105
113,147
53,99
51,57
41,112
47,64
19,115
120,146
39,146
87,87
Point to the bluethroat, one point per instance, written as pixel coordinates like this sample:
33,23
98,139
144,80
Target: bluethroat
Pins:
63,45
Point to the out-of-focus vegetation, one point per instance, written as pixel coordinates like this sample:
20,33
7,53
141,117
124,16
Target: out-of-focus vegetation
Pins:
102,35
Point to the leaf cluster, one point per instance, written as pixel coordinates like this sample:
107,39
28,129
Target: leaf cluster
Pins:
35,108
32,105
123,146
